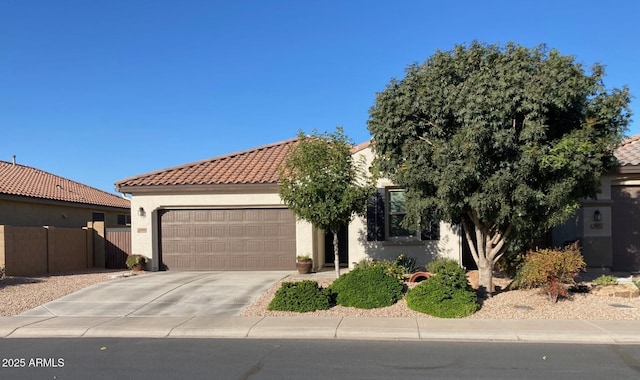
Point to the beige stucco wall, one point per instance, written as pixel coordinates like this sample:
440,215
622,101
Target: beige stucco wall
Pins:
37,214
449,245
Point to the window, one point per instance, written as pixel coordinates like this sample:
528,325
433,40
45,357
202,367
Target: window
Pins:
124,220
397,211
385,213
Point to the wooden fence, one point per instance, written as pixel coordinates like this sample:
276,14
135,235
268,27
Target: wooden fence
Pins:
31,251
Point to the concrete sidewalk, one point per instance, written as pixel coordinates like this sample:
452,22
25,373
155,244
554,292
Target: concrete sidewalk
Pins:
426,329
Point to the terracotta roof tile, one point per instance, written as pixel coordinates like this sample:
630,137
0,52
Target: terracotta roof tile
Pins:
254,166
628,153
21,180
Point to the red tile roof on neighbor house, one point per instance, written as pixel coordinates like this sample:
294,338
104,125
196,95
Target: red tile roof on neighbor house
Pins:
628,153
254,166
25,181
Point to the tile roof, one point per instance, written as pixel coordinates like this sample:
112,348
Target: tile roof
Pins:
628,153
254,166
21,180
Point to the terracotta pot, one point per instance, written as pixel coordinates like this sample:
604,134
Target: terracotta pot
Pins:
304,266
138,267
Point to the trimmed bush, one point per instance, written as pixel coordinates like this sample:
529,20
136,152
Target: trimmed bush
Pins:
552,270
435,298
449,273
367,288
446,294
392,268
301,297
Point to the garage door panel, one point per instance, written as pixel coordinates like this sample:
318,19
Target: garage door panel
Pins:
237,239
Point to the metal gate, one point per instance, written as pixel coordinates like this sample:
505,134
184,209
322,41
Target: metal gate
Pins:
117,247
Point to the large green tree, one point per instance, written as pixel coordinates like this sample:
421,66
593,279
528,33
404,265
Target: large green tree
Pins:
502,139
322,183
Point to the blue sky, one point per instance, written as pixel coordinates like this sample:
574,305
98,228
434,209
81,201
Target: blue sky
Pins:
97,91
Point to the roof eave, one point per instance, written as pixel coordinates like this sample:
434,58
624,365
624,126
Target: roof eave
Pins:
208,188
627,169
38,200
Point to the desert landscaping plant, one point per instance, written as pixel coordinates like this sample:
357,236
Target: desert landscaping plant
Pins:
446,294
302,296
391,268
552,270
407,263
136,261
605,279
367,288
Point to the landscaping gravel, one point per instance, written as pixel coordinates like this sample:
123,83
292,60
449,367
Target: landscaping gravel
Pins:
19,294
513,304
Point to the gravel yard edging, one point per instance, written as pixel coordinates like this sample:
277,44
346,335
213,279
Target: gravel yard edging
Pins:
512,304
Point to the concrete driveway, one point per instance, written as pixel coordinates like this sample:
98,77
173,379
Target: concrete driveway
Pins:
167,294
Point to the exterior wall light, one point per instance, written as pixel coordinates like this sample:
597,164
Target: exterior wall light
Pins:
141,212
597,216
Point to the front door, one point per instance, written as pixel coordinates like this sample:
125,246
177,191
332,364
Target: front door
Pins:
343,250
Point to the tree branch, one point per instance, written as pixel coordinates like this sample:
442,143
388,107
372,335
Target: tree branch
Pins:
472,248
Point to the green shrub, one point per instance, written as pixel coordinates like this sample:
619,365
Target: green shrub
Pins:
605,279
367,288
436,298
449,273
551,270
392,268
135,260
407,263
446,294
301,296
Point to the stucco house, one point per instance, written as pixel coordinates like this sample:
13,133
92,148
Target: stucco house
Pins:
31,197
224,213
51,224
608,227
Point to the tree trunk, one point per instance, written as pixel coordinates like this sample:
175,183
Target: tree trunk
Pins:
336,253
485,277
487,248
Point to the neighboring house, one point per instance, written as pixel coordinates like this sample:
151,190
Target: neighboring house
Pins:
50,224
225,214
608,227
30,197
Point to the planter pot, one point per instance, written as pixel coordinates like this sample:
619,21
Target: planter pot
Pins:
138,267
304,267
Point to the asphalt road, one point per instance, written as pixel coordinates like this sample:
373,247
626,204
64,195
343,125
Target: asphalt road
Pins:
309,359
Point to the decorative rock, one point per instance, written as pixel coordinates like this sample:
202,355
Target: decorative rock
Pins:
620,290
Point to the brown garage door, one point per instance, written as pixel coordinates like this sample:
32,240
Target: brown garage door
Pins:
229,239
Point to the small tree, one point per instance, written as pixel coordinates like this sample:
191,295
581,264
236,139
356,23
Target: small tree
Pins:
504,140
322,184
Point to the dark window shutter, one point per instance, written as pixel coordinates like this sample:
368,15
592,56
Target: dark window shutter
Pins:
431,231
375,217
